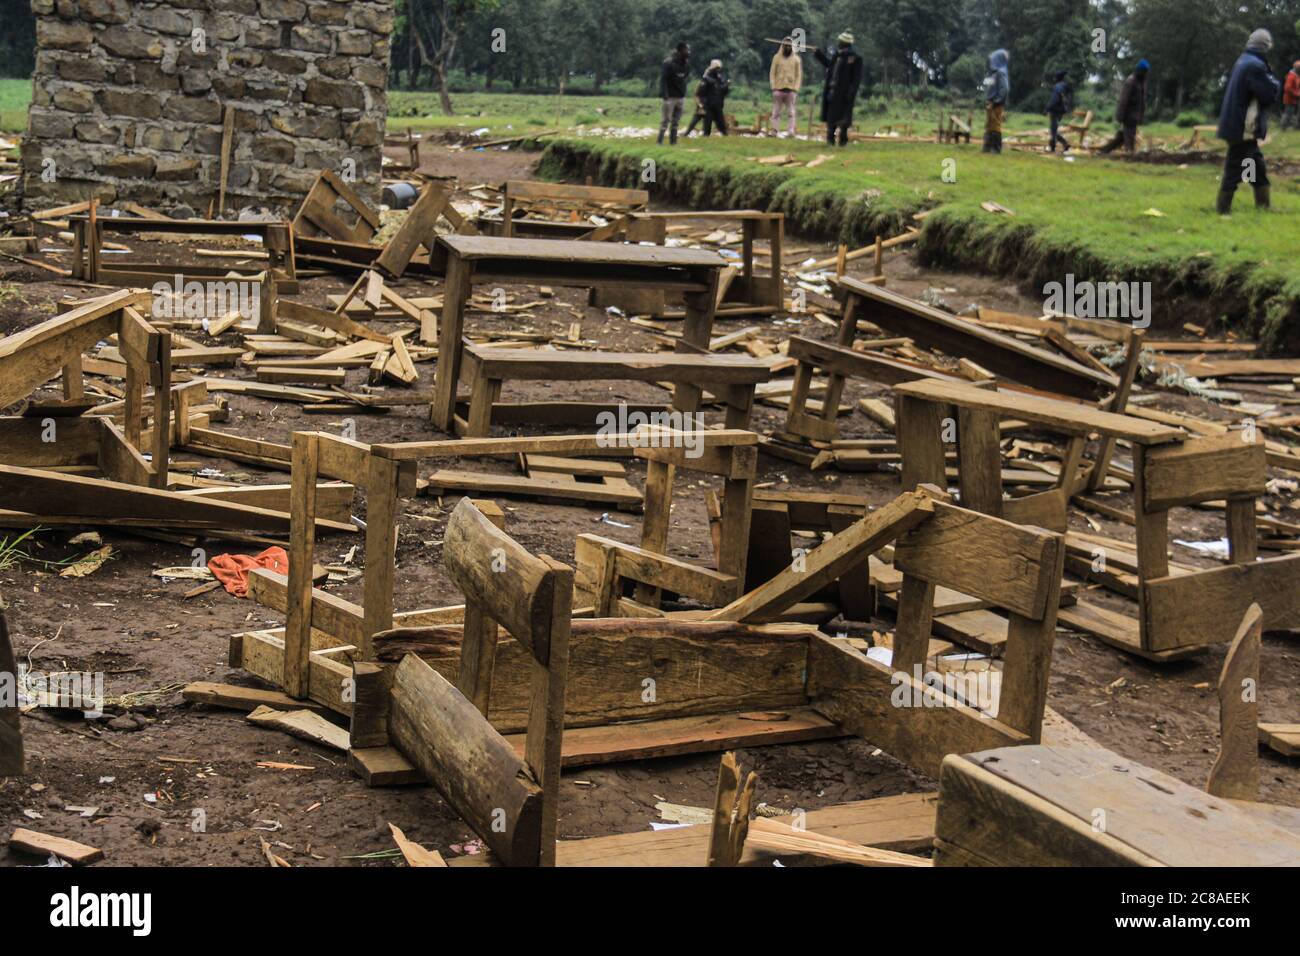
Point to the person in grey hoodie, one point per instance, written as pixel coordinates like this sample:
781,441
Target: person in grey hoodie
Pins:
998,84
1243,122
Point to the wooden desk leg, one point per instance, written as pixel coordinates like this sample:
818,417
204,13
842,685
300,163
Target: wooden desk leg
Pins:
381,548
484,394
1152,528
737,511
74,381
920,442
162,414
979,461
1243,535
450,334
654,526
1117,404
739,407
697,330
302,545
915,620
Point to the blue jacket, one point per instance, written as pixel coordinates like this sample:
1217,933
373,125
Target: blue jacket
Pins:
999,80
1251,79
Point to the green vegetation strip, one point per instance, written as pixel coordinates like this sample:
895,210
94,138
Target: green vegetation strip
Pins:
1098,219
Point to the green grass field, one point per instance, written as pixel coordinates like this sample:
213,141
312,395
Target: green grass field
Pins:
14,97
1094,217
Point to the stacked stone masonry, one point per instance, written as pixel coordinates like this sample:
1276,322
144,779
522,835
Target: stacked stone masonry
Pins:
129,98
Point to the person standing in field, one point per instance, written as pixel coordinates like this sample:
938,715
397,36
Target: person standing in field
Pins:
1132,109
998,83
672,90
1061,103
843,78
1243,122
786,79
1291,98
711,95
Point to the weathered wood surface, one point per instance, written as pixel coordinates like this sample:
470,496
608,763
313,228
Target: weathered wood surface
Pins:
1048,806
1000,354
1065,417
478,773
11,735
1205,607
1235,774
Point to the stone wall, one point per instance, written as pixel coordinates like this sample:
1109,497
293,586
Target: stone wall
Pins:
128,99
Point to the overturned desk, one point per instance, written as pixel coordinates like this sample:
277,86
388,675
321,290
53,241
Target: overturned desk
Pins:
474,260
929,408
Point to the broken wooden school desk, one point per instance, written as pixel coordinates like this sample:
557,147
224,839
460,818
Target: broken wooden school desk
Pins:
475,260
388,473
724,681
1057,806
89,265
525,196
922,407
1000,354
412,707
731,379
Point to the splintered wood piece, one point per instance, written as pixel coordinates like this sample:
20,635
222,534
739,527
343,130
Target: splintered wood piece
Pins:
1284,738
42,844
413,853
242,698
731,808
765,834
303,723
1235,774
11,735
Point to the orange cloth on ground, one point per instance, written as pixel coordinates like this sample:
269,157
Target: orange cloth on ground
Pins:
232,569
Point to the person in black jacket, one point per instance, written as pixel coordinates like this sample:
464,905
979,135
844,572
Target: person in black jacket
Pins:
1132,109
711,99
843,78
1243,122
1061,103
672,90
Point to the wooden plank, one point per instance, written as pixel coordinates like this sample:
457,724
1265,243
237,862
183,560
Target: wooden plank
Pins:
829,561
306,724
1001,354
1204,469
1204,608
859,694
1000,562
1235,774
477,772
1149,814
247,699
1065,417
44,845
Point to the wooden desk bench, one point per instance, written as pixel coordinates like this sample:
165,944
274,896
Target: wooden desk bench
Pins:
730,378
608,201
477,259
923,407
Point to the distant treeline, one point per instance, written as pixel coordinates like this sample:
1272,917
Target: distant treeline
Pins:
911,47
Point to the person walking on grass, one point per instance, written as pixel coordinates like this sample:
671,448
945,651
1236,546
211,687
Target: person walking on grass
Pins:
1132,109
998,84
786,79
672,90
1243,122
711,100
843,78
1291,98
1061,103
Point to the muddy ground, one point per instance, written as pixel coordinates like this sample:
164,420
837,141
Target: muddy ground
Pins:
184,787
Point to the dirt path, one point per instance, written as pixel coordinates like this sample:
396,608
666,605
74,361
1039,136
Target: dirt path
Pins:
185,787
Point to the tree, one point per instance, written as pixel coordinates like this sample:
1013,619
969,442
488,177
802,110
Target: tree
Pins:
435,26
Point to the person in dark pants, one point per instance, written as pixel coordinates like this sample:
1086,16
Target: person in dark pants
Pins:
1061,103
1243,122
672,90
995,107
1132,109
843,78
712,94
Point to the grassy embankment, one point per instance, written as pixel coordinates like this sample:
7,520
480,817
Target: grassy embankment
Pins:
1092,217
